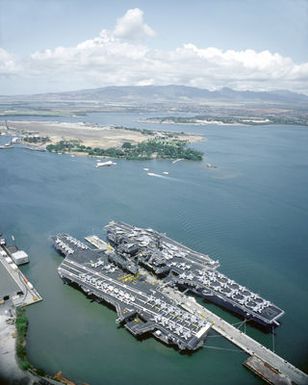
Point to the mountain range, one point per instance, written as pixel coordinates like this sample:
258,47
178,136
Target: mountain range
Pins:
169,93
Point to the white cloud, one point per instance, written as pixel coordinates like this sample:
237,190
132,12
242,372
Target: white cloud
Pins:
119,57
8,65
132,26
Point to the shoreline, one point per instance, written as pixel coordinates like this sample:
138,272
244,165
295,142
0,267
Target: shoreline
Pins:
10,370
199,123
224,121
73,154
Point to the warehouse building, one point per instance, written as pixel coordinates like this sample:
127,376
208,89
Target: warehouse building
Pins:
20,257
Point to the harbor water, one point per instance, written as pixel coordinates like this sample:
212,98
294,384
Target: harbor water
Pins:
251,213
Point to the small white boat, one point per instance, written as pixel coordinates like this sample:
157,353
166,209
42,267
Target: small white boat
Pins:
105,164
165,172
210,165
146,169
176,161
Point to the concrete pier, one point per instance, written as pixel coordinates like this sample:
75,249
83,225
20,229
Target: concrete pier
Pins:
29,294
266,372
283,369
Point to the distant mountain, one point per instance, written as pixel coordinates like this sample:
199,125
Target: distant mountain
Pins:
169,93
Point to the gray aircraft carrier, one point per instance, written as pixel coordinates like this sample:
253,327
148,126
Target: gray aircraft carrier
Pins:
141,306
189,270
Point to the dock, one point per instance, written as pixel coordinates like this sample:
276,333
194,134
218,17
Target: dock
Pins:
266,372
263,361
24,294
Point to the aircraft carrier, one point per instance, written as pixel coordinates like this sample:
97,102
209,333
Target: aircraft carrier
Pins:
189,270
141,305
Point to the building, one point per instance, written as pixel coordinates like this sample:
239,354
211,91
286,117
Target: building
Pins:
20,257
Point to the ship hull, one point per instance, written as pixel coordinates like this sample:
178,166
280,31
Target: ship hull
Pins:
267,326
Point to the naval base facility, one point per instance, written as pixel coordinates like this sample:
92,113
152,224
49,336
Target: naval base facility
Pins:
145,276
122,273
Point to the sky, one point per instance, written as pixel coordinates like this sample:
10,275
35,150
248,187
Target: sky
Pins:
59,45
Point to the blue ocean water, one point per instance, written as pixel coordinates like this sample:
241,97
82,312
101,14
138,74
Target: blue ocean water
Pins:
250,212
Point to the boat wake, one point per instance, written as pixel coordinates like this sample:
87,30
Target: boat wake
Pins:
158,175
153,174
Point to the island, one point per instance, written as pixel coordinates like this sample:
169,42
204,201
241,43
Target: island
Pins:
149,149
103,141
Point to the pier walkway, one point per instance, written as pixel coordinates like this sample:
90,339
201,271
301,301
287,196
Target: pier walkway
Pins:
30,294
288,374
